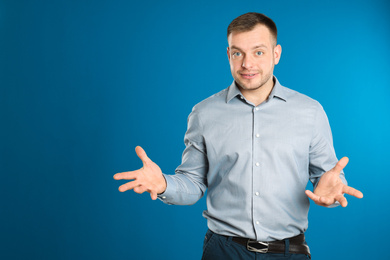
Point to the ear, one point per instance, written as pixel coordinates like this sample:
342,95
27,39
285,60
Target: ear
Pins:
228,53
277,53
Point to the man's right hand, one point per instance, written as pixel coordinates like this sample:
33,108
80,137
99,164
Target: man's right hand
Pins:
149,178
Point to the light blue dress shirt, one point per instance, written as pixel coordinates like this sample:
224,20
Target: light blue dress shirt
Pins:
254,161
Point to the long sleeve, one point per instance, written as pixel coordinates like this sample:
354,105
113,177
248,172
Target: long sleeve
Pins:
189,183
322,156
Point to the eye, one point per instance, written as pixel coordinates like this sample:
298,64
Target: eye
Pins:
236,54
259,53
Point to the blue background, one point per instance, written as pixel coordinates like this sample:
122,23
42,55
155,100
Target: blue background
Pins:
84,82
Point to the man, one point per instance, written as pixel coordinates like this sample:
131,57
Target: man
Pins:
254,146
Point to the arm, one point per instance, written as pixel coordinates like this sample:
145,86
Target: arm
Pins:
189,183
185,187
326,173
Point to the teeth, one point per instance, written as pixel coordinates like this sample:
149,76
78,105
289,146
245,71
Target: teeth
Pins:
248,75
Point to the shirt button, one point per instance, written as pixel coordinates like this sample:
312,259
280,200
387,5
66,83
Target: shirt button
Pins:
257,135
241,97
257,193
163,197
257,164
256,108
257,222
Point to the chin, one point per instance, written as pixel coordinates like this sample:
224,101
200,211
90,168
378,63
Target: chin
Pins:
250,86
255,87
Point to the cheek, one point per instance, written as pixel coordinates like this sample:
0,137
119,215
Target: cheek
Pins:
235,64
265,64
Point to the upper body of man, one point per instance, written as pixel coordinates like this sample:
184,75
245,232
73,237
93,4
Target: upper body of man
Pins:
254,146
255,161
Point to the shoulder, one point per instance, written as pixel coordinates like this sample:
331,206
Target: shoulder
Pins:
211,103
205,110
302,107
300,100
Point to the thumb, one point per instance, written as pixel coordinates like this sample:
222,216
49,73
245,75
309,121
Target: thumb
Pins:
142,154
341,164
153,195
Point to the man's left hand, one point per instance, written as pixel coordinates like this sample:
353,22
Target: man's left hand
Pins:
330,188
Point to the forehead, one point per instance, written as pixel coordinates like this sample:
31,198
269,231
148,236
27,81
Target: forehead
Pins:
259,35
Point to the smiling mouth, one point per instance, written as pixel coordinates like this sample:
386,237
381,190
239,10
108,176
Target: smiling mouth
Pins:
248,75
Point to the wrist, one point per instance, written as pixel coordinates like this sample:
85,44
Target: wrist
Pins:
163,186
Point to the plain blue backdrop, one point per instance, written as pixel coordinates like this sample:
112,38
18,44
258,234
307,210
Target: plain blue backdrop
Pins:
84,82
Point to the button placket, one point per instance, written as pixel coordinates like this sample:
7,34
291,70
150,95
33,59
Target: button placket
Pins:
256,216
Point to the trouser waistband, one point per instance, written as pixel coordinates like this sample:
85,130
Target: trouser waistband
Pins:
293,245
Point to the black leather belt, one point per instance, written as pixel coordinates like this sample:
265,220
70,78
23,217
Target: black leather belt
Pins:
297,245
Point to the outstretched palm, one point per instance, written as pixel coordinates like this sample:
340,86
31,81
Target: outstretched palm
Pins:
330,188
149,178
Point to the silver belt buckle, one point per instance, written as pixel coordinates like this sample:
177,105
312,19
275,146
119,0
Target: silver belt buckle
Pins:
257,246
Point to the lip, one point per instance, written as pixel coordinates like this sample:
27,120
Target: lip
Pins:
248,75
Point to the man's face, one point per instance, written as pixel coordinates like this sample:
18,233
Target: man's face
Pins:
252,57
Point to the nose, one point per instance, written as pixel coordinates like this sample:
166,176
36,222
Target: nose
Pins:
247,62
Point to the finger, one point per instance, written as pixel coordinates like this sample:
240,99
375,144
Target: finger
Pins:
341,164
128,186
353,192
142,154
139,189
313,196
126,175
325,201
342,200
153,195
322,201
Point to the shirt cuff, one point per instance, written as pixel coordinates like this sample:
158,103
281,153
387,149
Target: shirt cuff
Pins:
168,195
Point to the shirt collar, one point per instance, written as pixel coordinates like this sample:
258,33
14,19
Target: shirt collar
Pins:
233,91
277,91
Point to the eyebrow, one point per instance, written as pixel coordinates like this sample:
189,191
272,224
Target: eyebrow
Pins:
254,48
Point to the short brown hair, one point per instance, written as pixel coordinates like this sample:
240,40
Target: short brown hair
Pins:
248,21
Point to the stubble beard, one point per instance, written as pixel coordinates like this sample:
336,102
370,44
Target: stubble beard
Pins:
264,81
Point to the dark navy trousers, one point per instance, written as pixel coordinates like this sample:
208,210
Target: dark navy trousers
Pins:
217,247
